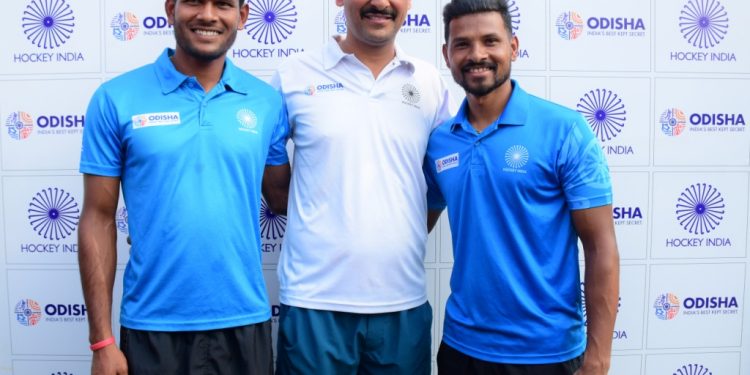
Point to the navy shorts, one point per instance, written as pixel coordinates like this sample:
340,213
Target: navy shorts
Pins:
341,343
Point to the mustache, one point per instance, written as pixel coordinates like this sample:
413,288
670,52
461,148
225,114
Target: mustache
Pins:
372,10
482,64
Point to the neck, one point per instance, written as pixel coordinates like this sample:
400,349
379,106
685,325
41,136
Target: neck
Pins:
375,58
208,73
485,110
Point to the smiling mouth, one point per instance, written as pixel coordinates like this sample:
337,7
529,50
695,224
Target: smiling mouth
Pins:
206,32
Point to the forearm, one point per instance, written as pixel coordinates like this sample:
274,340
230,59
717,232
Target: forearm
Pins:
601,287
97,258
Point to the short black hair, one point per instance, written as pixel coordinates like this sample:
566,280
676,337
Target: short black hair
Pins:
458,8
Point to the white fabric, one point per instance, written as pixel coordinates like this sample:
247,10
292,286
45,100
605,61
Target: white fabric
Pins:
356,232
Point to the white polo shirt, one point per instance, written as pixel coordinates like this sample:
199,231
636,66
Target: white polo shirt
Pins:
356,230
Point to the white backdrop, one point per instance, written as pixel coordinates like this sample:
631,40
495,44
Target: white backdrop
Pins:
663,84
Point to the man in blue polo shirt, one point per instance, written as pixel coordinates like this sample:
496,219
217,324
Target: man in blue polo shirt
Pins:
188,139
523,179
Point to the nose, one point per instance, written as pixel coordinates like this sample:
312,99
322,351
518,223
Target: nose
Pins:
477,52
207,11
380,4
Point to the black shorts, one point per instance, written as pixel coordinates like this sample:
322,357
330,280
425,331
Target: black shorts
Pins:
452,362
238,350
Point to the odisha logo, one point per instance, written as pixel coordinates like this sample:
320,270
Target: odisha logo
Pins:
247,118
703,23
28,312
410,93
271,21
515,15
20,124
672,121
53,213
271,225
569,25
340,22
604,112
48,23
516,156
121,220
700,208
667,306
692,369
124,26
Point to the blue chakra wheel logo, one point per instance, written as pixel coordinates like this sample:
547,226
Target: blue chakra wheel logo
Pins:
692,369
53,213
700,208
48,23
271,21
28,312
515,16
272,226
704,23
516,156
604,111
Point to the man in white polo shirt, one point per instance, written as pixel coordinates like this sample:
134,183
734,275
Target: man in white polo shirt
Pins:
351,270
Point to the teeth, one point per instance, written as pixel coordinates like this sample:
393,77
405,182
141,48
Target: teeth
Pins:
207,32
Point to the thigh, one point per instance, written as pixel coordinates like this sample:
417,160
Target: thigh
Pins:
317,342
398,343
155,353
237,350
240,350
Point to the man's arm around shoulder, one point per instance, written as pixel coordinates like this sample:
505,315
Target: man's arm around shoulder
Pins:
601,284
97,258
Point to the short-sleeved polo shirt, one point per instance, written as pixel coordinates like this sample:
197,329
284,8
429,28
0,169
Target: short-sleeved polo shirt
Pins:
190,165
356,233
509,190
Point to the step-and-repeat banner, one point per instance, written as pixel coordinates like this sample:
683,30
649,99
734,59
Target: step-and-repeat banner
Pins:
663,84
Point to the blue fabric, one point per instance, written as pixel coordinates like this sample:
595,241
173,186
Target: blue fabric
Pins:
515,292
343,343
192,189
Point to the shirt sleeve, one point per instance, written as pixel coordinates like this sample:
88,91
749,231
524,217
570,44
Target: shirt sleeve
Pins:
447,106
101,151
583,169
277,153
435,199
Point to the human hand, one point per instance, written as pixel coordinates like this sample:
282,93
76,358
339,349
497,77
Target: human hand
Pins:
109,361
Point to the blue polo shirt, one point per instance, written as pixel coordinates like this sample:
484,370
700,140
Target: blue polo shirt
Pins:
515,294
190,165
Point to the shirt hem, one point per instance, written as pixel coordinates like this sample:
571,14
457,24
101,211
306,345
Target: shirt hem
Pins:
530,359
353,308
194,326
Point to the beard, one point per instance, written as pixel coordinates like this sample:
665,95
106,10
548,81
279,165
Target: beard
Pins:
481,89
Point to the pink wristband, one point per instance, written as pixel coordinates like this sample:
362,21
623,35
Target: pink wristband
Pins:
102,344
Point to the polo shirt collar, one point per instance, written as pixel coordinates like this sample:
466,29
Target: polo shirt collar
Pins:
170,78
332,55
514,114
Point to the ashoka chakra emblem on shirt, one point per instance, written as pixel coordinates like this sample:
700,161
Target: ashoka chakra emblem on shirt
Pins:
411,94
